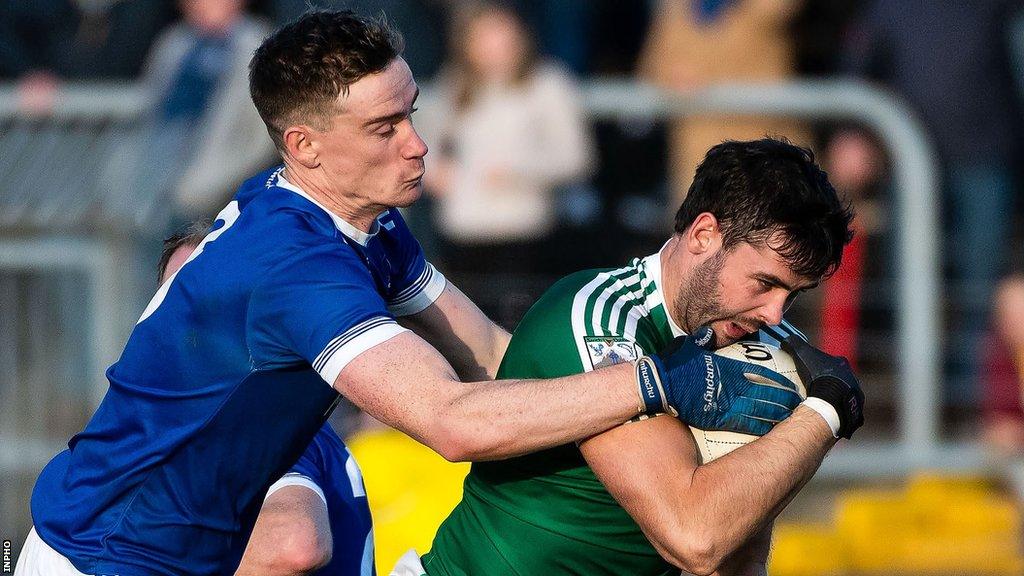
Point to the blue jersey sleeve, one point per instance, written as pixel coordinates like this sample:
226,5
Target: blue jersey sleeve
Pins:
416,283
323,452
319,306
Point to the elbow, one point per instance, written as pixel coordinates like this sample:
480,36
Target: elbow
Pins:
456,441
694,551
453,451
304,553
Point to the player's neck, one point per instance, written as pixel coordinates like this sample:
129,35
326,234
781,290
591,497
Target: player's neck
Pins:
671,274
350,210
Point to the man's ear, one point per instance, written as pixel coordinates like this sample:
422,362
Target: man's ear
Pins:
299,144
703,235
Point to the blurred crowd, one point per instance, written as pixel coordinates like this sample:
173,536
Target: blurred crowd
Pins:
522,187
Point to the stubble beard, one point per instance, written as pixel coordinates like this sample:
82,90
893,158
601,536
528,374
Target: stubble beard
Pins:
700,299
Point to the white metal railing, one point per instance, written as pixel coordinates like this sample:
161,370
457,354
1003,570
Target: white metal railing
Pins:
915,182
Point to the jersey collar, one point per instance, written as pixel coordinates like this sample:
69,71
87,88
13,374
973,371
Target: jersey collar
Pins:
652,267
363,238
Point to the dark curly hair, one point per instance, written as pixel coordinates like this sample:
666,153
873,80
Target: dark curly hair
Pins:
769,190
299,71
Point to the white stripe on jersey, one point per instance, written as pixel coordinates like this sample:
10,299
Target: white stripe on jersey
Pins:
632,319
619,304
586,294
296,479
420,294
356,340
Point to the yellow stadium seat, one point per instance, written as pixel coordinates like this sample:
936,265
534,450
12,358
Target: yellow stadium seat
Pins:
410,488
806,550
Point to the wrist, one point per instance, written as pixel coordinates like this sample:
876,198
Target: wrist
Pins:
649,387
826,411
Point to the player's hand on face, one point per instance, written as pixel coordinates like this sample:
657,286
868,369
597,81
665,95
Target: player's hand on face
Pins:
827,377
712,392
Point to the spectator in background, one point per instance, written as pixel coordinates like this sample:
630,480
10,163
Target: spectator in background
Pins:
695,43
46,42
1003,397
947,60
198,76
855,167
1003,415
506,132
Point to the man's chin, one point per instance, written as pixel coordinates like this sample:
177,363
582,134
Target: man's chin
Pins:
408,194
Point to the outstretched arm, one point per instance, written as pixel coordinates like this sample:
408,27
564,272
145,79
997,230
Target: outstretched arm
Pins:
697,516
407,384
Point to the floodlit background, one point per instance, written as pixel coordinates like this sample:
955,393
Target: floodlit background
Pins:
563,134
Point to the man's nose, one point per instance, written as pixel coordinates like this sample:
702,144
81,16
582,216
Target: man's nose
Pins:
415,147
771,312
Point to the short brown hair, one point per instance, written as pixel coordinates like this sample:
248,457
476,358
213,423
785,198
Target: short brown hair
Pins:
299,71
190,235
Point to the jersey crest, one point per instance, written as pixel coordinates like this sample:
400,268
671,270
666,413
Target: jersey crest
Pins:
605,351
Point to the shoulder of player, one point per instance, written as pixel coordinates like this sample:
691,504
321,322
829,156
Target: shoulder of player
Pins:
549,320
326,449
291,247
605,300
596,302
289,224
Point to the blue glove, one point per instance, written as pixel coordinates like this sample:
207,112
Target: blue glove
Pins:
712,392
827,377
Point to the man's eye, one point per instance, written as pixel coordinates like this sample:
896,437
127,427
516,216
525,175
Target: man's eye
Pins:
792,297
764,285
386,130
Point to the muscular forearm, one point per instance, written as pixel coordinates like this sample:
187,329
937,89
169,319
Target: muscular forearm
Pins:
738,494
407,384
497,420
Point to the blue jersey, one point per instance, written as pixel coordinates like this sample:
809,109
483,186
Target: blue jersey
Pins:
329,469
224,381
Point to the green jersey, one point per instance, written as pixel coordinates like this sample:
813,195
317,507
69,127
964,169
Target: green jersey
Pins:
547,513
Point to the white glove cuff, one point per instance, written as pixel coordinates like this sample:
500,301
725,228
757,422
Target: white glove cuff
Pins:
826,410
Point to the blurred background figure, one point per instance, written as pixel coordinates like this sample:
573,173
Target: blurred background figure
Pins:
206,133
505,132
1002,422
696,43
46,42
1003,416
948,60
855,167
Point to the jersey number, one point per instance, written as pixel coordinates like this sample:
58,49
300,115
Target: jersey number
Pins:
229,214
